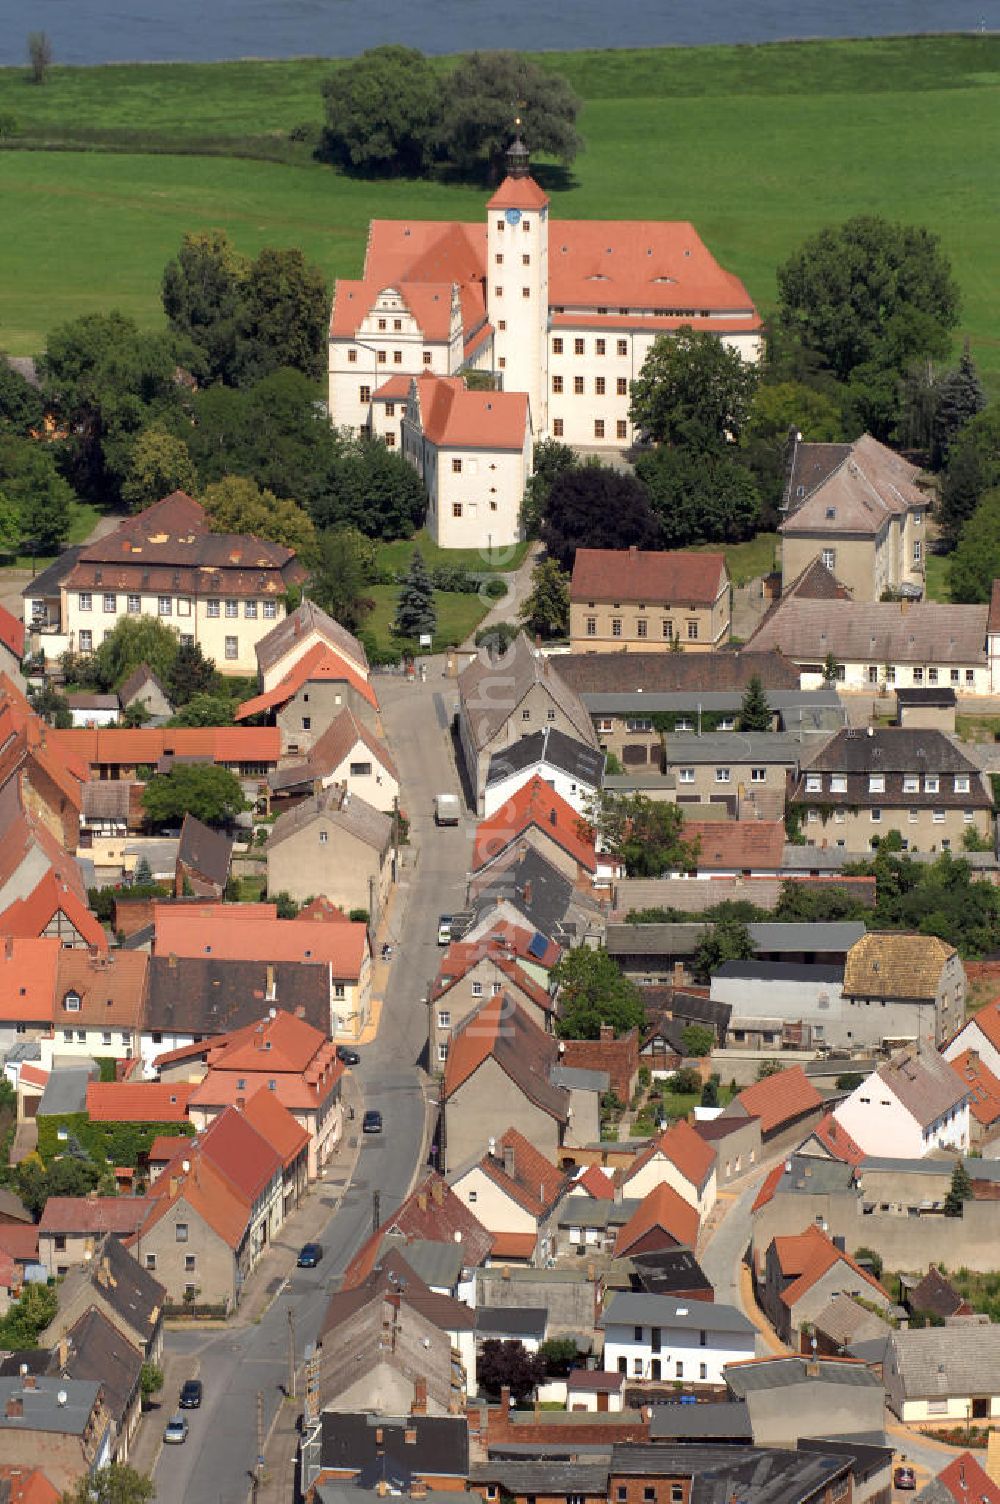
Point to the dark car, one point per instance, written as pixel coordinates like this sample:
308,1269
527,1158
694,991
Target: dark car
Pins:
309,1255
372,1121
905,1477
190,1395
348,1056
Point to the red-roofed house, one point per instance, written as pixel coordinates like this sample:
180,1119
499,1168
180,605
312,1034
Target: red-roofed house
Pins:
29,1485
349,753
680,1158
138,1102
786,1105
634,601
473,451
662,1220
737,848
11,642
538,816
287,1137
981,1034
71,1226
966,1480
99,1002
27,992
118,752
431,1213
511,1190
471,972
312,692
595,1183
984,1099
828,1140
802,1273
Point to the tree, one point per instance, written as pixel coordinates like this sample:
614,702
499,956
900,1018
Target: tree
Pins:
212,794
973,469
509,1365
727,940
237,504
685,1081
710,1093
284,318
868,293
382,113
561,1354
549,457
755,712
692,391
150,1381
960,397
958,1192
872,1259
698,1039
415,610
779,408
202,296
52,706
21,405
975,564
10,526
593,506
133,640
115,1484
831,669
849,1080
37,493
35,1182
768,1068
39,55
592,992
190,674
546,609
204,710
158,465
645,835
340,577
28,1316
477,99
699,498
373,489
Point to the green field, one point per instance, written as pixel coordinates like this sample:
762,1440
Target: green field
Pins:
757,145
397,555
458,616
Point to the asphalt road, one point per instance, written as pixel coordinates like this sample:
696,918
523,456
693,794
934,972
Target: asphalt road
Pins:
214,1466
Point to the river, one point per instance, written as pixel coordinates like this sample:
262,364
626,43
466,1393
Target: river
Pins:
101,31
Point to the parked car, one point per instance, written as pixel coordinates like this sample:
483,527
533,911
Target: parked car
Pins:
190,1395
347,1055
444,929
372,1121
905,1477
177,1431
309,1255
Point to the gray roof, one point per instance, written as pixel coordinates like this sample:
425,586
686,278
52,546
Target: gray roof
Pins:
41,1409
845,1321
780,971
815,1176
517,670
890,749
684,936
66,1090
577,759
207,852
874,632
141,678
437,1264
689,674
575,1078
786,747
694,1422
832,935
939,1361
540,892
631,1308
938,694
511,1321
106,799
587,1211
352,814
306,618
97,1350
926,1085
787,1373
47,582
544,1476
979,1169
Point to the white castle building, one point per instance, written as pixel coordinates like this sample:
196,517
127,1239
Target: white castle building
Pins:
562,311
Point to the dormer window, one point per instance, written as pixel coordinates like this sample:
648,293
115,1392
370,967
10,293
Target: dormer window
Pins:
71,1002
831,514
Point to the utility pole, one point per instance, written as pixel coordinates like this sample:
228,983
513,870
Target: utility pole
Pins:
376,1211
291,1352
259,1470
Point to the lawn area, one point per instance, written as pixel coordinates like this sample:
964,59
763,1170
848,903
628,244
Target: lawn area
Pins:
936,579
758,146
458,616
83,518
746,561
397,555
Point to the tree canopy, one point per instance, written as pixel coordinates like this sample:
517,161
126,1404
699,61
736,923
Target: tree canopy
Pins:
21,405
692,391
645,835
959,398
236,504
416,614
755,712
477,108
133,640
382,112
726,940
36,499
698,498
545,610
509,1365
159,463
593,506
212,794
373,489
592,992
341,575
973,469
975,564
190,674
115,1484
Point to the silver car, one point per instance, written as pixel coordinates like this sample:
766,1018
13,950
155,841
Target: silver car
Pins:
177,1431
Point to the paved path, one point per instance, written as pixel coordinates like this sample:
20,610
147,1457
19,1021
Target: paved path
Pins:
518,588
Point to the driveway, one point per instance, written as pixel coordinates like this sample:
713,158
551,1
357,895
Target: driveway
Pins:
237,1363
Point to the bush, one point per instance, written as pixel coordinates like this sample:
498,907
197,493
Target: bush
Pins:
685,1081
495,589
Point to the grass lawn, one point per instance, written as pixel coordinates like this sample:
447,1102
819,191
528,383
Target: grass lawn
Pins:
758,146
458,616
746,561
978,728
397,555
936,580
83,518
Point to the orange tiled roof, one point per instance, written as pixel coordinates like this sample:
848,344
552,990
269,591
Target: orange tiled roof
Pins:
806,1257
536,804
282,1043
767,1190
460,958
452,417
519,193
274,1122
29,917
111,989
513,1245
28,979
837,1140
29,1485
743,844
662,1208
118,745
685,1149
232,1144
984,1101
779,1098
341,946
635,574
163,1148
138,1102
987,1020
596,1183
533,1181
206,1189
966,1480
94,1214
321,662
19,1241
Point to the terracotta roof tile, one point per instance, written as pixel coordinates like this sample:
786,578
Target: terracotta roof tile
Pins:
453,417
148,745
743,844
111,989
288,636
524,1174
634,574
240,1153
342,946
780,1098
138,1102
837,1141
28,979
432,1212
12,633
500,1028
94,1214
275,1123
984,1102
513,1245
535,804
20,1242
966,1480
596,1183
30,917
685,1149
662,1209
320,662
207,1190
807,1257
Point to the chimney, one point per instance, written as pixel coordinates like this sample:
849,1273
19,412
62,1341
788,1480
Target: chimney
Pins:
241,1103
172,961
437,1191
271,985
553,819
812,1369
15,1409
419,1406
904,606
508,1159
29,1381
505,1272
527,891
63,1351
422,1200
607,1033
504,1400
618,1193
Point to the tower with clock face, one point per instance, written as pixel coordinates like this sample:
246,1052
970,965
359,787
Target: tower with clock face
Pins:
517,289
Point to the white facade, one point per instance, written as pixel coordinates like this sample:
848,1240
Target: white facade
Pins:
974,1037
490,1203
659,1170
880,1124
974,678
689,1354
575,793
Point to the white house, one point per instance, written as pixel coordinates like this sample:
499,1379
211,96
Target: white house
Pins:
473,451
510,1190
659,1338
567,765
680,1158
982,1034
914,1104
944,1375
349,754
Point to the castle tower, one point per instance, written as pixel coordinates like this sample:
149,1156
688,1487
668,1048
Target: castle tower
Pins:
517,288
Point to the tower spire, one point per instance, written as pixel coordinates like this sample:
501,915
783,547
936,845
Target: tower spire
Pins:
518,155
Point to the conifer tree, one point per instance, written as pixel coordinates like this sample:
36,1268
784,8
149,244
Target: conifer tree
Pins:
960,397
959,1191
415,612
755,712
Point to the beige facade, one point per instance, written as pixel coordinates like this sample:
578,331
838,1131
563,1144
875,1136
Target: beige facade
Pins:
485,1102
638,627
659,1170
492,1206
481,981
320,850
226,630
306,715
194,1259
921,829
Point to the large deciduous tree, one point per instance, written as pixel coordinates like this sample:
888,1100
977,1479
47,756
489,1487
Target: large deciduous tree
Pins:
726,940
692,391
778,409
546,609
550,457
382,113
21,405
479,100
645,835
340,577
698,498
159,464
592,992
593,506
115,1484
210,793
975,564
237,504
38,498
509,1365
203,289
284,316
374,490
133,640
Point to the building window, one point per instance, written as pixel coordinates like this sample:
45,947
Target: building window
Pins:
444,1019
932,675
911,783
913,816
623,347
456,509
232,648
525,292
931,783
213,608
133,604
557,347
364,393
621,429
150,1260
616,626
352,357
641,627
667,629
758,775
86,600
499,258
456,467
599,385
578,347
250,610
692,631
876,816
838,783
686,775
968,815
578,386
477,989
723,775
961,783
557,383
598,428
190,1263
938,817
232,609
591,626
324,837
397,357
918,549
86,641
954,676
270,610
110,604
876,783
427,357
382,326
829,557
498,292
557,428
181,1232
918,676
105,1036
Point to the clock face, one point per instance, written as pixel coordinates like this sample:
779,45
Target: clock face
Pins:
513,216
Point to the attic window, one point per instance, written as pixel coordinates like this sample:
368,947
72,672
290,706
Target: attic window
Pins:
71,1002
831,513
272,1085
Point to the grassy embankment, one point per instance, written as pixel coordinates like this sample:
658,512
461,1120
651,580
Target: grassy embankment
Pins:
757,145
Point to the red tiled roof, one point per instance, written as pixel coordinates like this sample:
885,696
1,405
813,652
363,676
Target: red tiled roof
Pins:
658,323
324,910
434,1213
806,1257
635,574
501,1028
837,1140
685,1149
454,418
33,1075
533,1181
274,1122
29,1485
30,917
321,662
657,265
12,633
536,804
207,1190
341,946
967,1481
232,1144
519,193
662,1208
282,1043
19,1241
118,745
987,1020
984,1102
28,980
163,1148
138,1102
513,1245
111,989
396,389
743,844
767,1190
596,1183
780,1098
461,958
94,1214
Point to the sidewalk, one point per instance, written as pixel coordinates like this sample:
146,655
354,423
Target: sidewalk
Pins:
148,1439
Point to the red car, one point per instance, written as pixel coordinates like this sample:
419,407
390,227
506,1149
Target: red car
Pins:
905,1477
